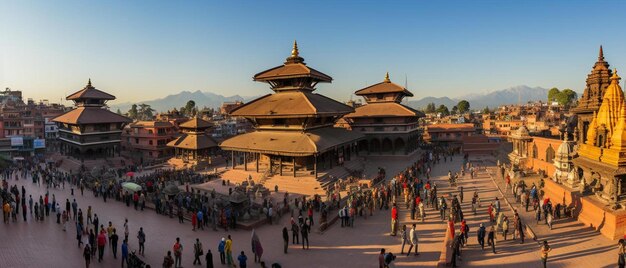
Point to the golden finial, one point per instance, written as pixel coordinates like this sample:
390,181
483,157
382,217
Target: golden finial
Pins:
89,83
387,78
601,54
294,51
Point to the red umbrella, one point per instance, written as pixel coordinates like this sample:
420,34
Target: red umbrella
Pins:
130,174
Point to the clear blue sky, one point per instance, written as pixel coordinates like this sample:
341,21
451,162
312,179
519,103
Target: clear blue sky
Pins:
141,50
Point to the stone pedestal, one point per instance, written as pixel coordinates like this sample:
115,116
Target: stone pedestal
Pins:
590,211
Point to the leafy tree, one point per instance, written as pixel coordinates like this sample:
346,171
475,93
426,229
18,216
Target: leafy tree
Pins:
443,110
189,107
145,112
118,111
430,108
133,113
552,93
463,106
455,109
566,97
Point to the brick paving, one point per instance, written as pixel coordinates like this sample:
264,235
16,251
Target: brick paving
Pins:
44,244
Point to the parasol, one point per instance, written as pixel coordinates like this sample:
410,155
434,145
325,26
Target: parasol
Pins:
131,186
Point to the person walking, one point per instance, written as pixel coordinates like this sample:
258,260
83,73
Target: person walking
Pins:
87,255
197,252
242,260
178,252
209,259
126,229
545,249
413,239
141,236
481,236
229,251
394,219
257,249
102,241
505,227
285,239
491,239
167,260
124,252
220,249
621,250
405,238
113,243
295,232
305,235
381,259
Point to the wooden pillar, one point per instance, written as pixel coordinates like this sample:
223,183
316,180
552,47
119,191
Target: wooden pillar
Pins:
294,166
280,165
245,161
257,161
332,158
315,165
232,159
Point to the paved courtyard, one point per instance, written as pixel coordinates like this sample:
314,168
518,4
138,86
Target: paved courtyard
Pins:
44,244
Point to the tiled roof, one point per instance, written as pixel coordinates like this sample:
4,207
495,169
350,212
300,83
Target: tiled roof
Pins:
450,127
196,123
384,109
291,143
90,92
291,70
292,104
193,141
383,87
91,115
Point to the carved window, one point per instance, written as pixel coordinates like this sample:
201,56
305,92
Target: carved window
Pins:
535,151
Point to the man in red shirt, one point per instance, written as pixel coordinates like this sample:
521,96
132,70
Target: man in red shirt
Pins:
102,241
394,219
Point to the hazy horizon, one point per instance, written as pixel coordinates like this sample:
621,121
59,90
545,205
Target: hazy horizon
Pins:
142,51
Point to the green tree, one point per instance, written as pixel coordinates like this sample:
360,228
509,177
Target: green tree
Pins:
566,97
145,112
118,111
463,106
455,110
443,110
552,93
430,108
133,113
189,107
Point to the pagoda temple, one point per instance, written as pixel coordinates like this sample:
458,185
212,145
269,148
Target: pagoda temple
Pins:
90,130
389,127
195,144
597,82
294,126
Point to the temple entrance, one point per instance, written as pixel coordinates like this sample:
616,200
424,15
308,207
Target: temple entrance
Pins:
374,146
363,146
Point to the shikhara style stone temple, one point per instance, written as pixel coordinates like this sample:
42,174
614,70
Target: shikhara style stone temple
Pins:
590,172
294,130
90,130
390,128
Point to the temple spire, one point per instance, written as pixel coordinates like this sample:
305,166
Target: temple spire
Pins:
387,80
295,55
89,83
601,54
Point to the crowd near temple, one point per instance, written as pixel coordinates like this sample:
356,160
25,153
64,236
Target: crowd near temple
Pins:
314,166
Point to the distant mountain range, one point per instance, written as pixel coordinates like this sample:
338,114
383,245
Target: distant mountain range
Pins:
477,101
493,99
208,99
